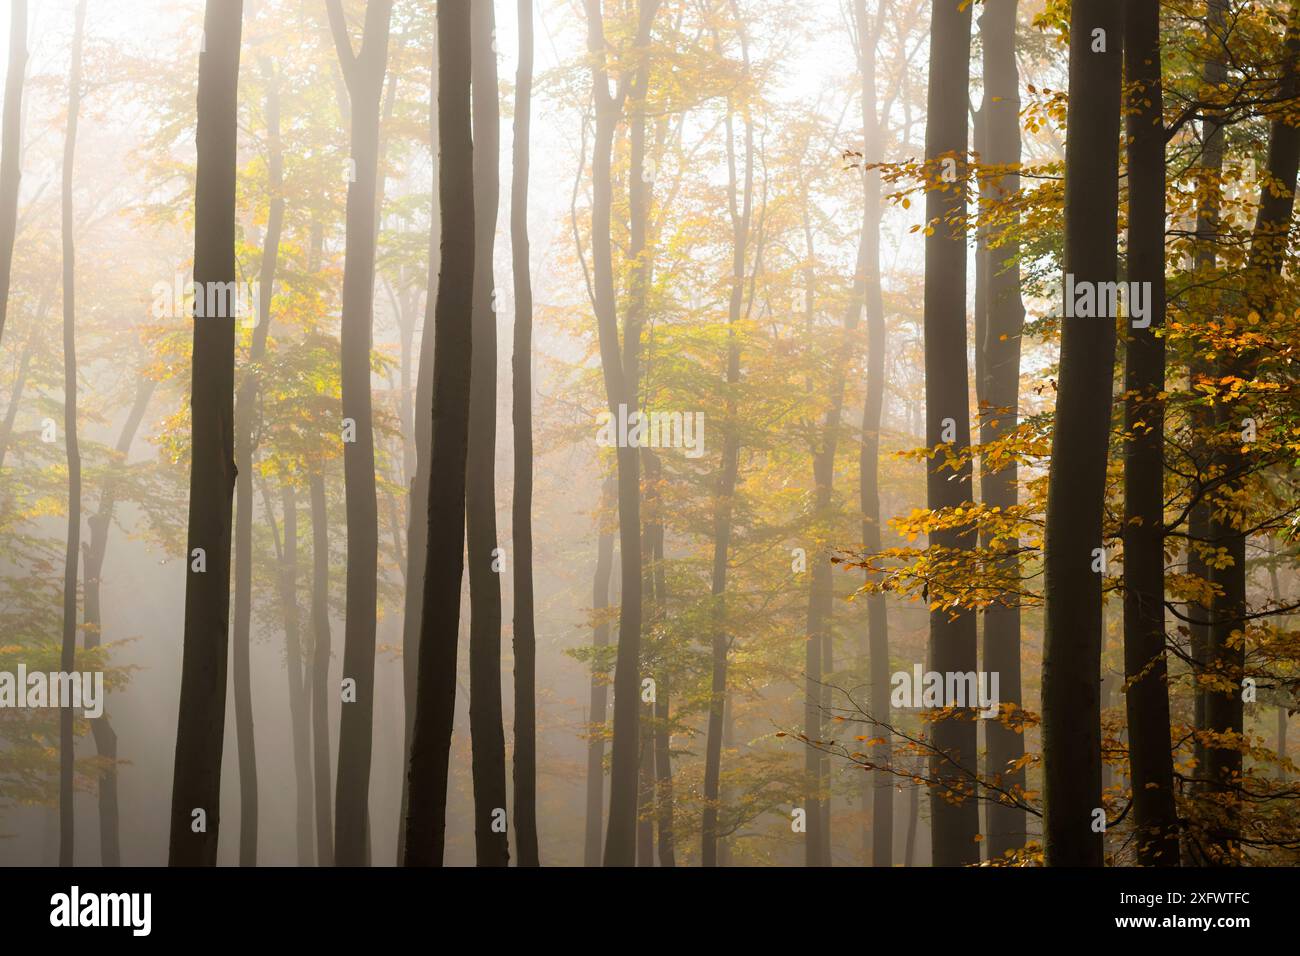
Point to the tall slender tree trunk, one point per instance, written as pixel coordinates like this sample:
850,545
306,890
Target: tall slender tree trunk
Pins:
11,126
877,787
417,535
620,842
999,386
741,214
71,555
99,525
364,75
298,673
1214,72
245,401
954,814
452,325
320,669
491,842
1226,654
525,640
196,781
597,710
1071,695
1145,669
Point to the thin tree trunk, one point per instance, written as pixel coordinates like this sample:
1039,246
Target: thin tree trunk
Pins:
196,782
620,843
364,75
99,525
1000,387
245,402
68,658
1145,669
741,215
525,640
954,814
878,786
11,148
453,327
418,510
596,713
1213,73
320,669
491,841
1071,699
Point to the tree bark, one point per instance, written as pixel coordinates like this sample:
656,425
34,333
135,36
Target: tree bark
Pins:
453,329
94,551
999,386
953,812
71,555
1071,699
491,841
196,781
245,402
417,534
596,713
620,842
320,669
741,215
525,640
11,148
364,76
1145,669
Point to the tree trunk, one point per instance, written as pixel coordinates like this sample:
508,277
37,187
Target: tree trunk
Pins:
954,814
99,525
320,669
1226,654
491,842
620,843
596,713
418,510
879,786
364,75
245,402
11,148
525,640
196,781
1000,387
68,658
1071,699
1145,669
453,329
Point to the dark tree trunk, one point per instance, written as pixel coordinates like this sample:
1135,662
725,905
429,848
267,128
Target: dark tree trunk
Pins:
525,641
999,386
364,75
99,525
245,402
620,843
954,814
596,714
1226,654
1147,699
417,534
1071,696
491,842
320,670
452,326
196,781
11,148
68,658
1213,73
